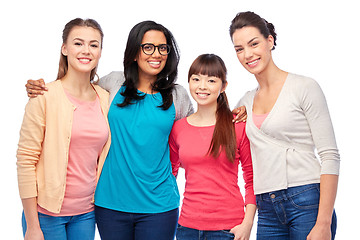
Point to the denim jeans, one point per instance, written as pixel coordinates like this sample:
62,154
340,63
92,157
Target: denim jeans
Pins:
116,225
184,233
66,228
290,213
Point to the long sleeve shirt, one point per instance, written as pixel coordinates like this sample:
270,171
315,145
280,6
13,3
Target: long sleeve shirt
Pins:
43,149
212,198
283,148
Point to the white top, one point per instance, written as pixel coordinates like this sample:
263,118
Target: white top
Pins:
283,148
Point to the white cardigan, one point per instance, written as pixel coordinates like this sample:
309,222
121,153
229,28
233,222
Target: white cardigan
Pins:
283,148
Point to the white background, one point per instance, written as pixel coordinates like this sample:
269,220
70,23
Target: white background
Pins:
319,39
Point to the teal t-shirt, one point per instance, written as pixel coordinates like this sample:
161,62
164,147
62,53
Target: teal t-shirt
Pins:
137,175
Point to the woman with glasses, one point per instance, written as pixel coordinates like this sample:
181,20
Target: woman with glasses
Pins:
137,195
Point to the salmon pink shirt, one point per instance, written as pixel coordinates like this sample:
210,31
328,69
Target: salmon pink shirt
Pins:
88,136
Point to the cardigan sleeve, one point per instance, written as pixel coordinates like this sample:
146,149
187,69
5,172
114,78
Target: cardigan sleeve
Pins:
313,103
182,102
30,146
112,83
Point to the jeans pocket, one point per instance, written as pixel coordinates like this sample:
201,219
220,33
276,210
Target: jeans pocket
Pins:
226,234
307,199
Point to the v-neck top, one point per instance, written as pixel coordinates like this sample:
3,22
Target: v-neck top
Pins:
283,147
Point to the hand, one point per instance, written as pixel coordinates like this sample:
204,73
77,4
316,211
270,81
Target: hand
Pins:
34,234
35,87
241,114
242,231
320,232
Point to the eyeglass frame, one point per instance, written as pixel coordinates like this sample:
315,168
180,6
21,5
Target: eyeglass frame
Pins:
156,46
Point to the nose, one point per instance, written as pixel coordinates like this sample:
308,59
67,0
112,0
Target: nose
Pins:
156,53
202,84
248,53
86,49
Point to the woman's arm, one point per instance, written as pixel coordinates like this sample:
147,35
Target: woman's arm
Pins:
243,230
28,155
33,230
328,189
315,108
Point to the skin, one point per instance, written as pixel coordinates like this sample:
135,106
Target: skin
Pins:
150,65
205,90
83,51
254,53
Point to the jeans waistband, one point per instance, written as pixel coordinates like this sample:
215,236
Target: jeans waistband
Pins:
289,192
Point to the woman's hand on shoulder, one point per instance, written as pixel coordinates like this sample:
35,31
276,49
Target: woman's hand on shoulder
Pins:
241,114
35,87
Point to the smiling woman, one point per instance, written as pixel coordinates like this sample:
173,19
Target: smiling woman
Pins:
57,167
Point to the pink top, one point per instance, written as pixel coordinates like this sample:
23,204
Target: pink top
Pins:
258,119
212,198
88,136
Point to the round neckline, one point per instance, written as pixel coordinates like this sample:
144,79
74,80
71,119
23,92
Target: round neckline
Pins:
187,121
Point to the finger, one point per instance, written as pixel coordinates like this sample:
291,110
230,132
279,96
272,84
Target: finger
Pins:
30,86
35,92
36,83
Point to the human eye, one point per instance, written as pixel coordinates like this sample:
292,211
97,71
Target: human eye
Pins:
195,79
77,43
94,45
163,48
239,49
254,44
148,47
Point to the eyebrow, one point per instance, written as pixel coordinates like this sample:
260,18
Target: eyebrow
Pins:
82,40
247,42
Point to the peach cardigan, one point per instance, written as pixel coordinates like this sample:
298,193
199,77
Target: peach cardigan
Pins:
42,154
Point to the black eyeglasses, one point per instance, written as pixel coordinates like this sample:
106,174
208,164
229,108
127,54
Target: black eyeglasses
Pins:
149,48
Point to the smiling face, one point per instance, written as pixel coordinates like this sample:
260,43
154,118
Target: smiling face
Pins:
83,49
252,49
205,89
151,65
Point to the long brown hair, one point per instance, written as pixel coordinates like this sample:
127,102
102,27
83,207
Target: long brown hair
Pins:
77,22
224,138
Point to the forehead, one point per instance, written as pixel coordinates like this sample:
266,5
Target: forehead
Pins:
154,36
245,34
85,33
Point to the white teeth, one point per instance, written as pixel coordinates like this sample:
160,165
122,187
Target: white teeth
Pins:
202,94
84,60
253,62
154,62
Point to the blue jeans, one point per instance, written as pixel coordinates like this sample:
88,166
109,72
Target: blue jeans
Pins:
66,228
184,233
290,213
116,225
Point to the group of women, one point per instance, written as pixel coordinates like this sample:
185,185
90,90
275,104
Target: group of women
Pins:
122,148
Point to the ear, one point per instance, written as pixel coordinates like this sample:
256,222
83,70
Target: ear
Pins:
270,40
64,50
224,87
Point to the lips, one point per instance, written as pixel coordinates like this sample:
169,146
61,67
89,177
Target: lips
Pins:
202,95
155,64
84,60
253,63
